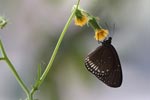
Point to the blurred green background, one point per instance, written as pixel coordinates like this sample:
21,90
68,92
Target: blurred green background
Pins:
34,28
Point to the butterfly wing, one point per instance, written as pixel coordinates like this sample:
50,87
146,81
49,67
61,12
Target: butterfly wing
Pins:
104,63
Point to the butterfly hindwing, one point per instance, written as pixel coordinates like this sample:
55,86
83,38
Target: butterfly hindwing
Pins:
104,63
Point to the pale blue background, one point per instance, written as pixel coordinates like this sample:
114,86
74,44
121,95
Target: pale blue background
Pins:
31,34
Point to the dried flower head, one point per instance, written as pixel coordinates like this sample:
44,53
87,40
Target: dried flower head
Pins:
80,18
101,34
81,21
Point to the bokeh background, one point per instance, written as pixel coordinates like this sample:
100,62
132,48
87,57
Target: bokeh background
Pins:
33,29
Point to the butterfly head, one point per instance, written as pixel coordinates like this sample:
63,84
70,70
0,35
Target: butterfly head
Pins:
107,42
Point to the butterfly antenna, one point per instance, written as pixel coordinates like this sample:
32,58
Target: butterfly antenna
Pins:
114,27
108,27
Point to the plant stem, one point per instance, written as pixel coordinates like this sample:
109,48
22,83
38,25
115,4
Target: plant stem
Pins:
13,70
55,51
36,86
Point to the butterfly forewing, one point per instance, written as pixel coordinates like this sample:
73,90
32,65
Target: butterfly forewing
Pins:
105,65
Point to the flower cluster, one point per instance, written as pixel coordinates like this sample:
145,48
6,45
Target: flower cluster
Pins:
82,18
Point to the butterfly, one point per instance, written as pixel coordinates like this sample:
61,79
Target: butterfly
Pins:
104,63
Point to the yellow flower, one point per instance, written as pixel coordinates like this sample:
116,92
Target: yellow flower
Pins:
101,34
81,21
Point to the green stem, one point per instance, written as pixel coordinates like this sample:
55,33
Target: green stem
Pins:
55,51
21,83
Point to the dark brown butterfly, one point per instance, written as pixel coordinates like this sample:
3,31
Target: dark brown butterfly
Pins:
104,63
